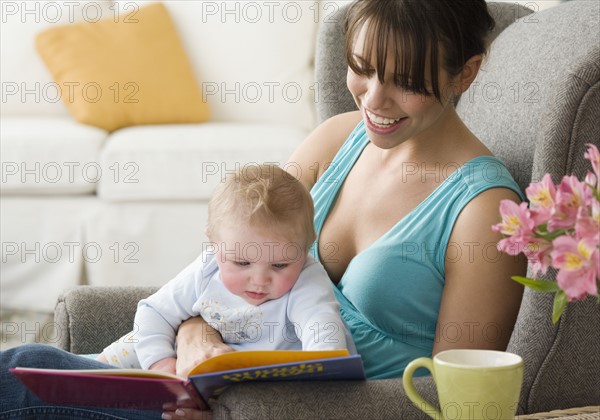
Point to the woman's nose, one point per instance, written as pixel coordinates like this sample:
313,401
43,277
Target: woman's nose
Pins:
377,94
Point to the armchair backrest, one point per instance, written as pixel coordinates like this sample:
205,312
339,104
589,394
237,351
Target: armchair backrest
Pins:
535,104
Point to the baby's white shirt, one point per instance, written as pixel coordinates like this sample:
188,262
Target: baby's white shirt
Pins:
305,318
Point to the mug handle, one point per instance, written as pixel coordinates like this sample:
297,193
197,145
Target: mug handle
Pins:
411,392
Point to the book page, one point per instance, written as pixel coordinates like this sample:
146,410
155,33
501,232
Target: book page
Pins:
256,358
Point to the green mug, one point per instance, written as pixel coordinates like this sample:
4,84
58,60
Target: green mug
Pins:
471,384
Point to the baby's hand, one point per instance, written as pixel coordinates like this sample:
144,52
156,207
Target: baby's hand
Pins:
165,365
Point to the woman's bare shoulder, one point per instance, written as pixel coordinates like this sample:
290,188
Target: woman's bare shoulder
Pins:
318,150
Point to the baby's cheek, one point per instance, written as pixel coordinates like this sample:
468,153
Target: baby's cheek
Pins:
283,285
232,281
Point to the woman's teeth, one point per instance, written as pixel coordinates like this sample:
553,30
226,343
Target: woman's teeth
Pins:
381,120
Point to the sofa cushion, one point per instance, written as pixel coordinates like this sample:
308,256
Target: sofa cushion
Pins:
144,243
27,86
49,155
129,72
187,161
43,249
254,58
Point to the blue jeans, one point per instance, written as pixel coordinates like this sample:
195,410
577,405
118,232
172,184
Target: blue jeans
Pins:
17,402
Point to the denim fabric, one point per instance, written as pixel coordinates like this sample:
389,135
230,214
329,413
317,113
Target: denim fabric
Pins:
17,402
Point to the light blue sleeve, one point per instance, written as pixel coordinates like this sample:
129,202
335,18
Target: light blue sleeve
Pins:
314,310
158,317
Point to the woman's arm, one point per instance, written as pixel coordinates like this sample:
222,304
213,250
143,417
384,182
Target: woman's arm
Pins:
480,302
196,342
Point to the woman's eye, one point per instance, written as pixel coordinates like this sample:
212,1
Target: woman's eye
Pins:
280,266
405,87
402,83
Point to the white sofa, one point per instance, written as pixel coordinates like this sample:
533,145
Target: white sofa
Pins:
83,206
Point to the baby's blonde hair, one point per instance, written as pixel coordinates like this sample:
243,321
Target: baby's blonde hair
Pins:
266,197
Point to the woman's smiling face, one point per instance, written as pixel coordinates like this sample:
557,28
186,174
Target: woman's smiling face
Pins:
394,113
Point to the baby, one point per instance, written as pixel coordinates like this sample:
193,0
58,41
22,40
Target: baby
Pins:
256,283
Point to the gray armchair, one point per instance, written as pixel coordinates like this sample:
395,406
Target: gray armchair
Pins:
536,103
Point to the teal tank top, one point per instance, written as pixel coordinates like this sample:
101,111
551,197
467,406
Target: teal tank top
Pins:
390,293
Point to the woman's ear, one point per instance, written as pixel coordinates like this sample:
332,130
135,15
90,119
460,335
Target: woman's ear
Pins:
469,72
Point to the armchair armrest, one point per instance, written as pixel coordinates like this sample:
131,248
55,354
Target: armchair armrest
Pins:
88,318
371,399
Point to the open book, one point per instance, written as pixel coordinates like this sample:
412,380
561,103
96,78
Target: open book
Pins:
144,389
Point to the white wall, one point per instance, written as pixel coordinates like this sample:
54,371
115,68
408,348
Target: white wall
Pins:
535,5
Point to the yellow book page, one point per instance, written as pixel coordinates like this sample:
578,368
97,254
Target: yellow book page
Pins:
255,358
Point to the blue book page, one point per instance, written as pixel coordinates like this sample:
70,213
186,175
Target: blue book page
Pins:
344,368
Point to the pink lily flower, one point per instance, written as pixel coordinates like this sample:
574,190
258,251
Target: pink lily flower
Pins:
591,179
570,195
593,155
578,263
541,196
538,253
517,224
561,229
587,224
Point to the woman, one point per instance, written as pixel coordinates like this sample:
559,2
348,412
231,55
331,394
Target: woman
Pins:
405,194
405,197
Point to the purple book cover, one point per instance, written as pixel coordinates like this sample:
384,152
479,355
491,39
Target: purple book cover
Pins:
85,388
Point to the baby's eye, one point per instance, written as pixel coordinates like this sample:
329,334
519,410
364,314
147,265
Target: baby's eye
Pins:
242,263
279,266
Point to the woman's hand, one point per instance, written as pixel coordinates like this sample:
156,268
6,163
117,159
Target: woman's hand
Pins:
196,342
165,365
184,409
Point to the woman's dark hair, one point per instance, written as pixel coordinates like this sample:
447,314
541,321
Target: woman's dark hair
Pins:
413,29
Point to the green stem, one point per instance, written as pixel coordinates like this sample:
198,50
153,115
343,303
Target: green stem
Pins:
542,232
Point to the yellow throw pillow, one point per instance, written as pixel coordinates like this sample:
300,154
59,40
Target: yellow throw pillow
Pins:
130,72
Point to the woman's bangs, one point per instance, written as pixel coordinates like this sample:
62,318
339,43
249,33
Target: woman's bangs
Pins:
409,70
359,63
409,48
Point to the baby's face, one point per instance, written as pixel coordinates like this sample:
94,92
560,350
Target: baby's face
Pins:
257,265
